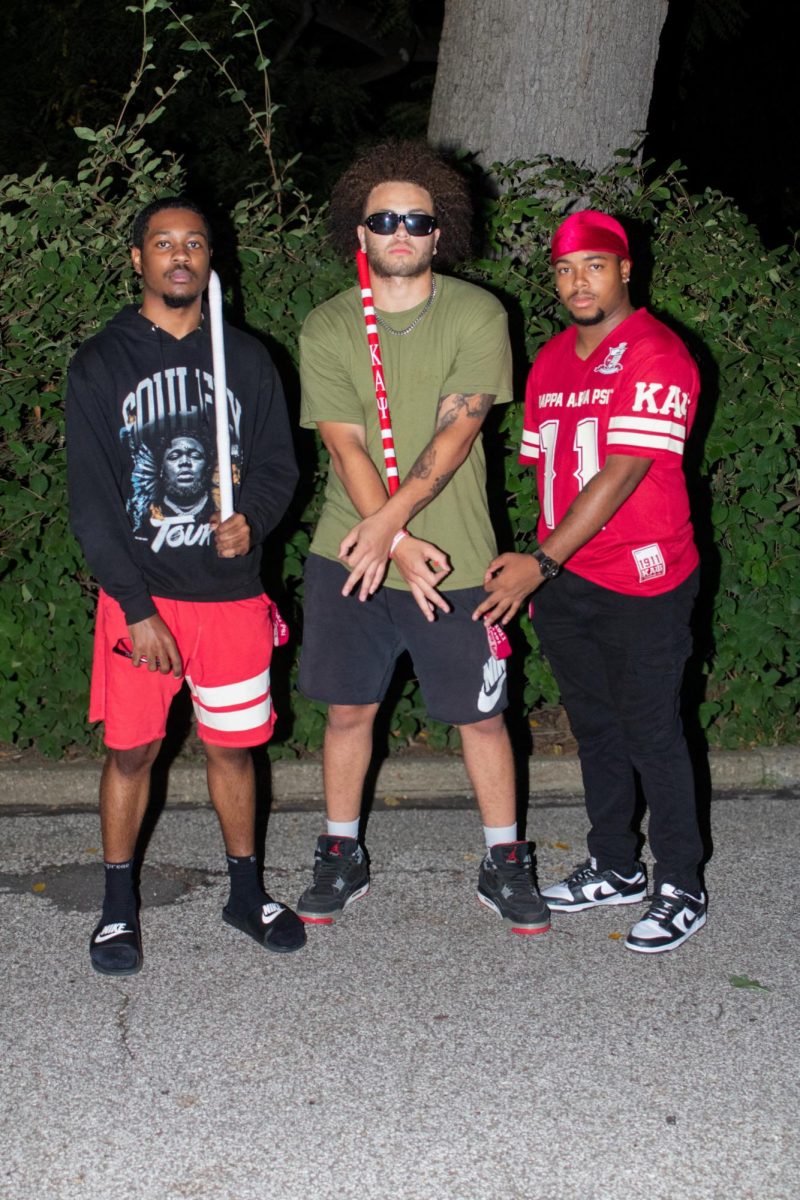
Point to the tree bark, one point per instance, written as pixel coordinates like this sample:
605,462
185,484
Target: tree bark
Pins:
569,78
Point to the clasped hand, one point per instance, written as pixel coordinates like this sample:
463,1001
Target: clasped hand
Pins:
365,551
509,579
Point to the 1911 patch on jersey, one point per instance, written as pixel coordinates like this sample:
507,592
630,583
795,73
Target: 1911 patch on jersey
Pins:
650,562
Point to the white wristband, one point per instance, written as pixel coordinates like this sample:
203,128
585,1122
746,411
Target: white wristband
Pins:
398,537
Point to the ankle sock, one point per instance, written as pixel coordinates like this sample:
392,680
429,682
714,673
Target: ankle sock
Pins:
246,890
343,828
119,901
496,834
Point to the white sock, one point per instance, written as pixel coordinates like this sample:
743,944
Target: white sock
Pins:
495,834
343,828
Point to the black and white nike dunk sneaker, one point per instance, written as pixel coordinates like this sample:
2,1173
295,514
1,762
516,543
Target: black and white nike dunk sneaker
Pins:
341,875
673,916
506,886
587,887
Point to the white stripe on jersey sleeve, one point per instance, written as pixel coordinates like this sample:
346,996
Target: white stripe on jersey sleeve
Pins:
529,447
651,433
647,441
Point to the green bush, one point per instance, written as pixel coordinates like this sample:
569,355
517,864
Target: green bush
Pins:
64,264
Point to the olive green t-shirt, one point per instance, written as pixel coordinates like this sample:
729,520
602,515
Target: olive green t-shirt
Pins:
460,346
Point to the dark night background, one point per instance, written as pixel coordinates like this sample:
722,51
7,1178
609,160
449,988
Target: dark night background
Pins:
720,102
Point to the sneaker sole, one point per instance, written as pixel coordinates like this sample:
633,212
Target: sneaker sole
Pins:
610,901
309,918
643,948
515,926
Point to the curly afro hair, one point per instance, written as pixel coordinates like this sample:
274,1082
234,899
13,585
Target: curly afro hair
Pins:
410,162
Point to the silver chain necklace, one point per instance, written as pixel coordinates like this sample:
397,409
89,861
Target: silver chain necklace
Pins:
417,318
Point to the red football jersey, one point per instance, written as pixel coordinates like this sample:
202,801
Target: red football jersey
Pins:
635,394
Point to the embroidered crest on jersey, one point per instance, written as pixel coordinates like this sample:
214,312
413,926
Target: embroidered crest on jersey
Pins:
650,562
611,364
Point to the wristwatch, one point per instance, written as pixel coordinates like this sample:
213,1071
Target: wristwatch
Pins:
548,566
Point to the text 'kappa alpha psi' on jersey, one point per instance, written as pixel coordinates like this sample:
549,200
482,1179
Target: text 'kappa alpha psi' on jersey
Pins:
636,394
142,463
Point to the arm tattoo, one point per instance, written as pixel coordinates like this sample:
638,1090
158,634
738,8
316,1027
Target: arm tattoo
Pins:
448,411
450,408
421,470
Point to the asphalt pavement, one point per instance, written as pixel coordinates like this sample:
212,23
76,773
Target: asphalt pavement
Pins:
416,1049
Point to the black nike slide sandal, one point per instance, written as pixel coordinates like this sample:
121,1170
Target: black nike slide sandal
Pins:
272,925
115,948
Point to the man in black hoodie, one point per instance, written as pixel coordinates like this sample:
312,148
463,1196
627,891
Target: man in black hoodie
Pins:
181,595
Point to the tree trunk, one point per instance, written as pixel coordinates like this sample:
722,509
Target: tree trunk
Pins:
570,78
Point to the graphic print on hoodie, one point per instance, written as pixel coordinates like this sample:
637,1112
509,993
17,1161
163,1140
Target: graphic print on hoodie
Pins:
170,429
141,454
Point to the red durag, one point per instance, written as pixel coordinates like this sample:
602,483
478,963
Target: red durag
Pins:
589,230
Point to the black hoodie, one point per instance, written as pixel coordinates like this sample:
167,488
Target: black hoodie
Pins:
141,461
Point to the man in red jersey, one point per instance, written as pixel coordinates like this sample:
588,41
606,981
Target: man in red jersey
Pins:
608,408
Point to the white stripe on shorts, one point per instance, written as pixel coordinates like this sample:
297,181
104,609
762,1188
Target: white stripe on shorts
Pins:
236,720
230,694
248,704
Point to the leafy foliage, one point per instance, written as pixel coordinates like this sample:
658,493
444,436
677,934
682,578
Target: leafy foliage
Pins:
334,73
64,263
744,981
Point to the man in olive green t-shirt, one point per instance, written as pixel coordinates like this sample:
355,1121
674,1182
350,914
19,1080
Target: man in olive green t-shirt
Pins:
446,360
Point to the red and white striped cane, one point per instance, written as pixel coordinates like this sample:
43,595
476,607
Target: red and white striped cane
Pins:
498,642
381,399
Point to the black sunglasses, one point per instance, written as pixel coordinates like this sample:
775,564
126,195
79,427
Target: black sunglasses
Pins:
384,223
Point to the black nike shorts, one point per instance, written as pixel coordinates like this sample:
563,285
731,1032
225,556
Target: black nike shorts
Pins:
350,648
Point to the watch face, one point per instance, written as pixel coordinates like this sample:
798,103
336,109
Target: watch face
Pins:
548,566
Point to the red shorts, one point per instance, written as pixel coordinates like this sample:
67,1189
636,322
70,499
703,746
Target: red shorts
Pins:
226,650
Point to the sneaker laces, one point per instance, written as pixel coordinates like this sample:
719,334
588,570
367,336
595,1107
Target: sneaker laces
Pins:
326,873
517,877
582,874
663,908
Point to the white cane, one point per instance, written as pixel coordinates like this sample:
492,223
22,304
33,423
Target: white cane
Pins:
220,398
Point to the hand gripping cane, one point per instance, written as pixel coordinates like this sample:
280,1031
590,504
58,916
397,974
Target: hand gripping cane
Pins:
220,398
498,642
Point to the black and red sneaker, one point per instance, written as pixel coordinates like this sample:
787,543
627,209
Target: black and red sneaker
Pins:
506,886
341,875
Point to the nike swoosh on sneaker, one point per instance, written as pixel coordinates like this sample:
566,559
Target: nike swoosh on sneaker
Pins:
601,892
111,931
